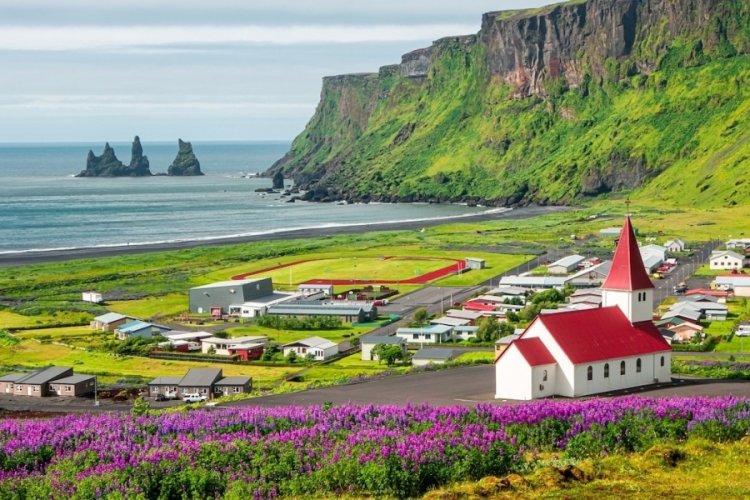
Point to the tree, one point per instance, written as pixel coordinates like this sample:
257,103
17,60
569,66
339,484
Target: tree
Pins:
420,316
389,353
489,329
140,407
211,351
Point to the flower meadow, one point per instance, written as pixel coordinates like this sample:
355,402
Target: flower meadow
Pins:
327,450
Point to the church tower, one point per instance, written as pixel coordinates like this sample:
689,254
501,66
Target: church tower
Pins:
628,286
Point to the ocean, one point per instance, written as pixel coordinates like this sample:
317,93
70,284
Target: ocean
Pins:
43,206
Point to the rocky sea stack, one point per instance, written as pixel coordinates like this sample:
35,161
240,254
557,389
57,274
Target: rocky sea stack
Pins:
107,165
185,163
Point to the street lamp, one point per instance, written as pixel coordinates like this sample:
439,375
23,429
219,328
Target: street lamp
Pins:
96,399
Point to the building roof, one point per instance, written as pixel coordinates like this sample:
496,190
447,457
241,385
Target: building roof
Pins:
110,318
44,375
508,290
460,313
569,261
133,326
318,342
275,297
382,339
627,272
534,281
201,377
684,313
707,291
601,334
466,328
507,339
73,379
733,280
299,308
12,377
726,253
233,381
166,381
478,306
437,329
314,286
698,297
237,341
236,283
434,353
533,351
450,321
175,336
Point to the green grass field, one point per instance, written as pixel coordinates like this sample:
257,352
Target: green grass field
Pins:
152,308
286,336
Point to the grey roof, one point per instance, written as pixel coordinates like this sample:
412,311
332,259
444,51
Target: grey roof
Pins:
44,375
166,381
233,381
437,353
237,283
200,377
466,328
307,308
270,298
12,377
110,317
438,329
570,260
74,379
508,339
382,339
533,281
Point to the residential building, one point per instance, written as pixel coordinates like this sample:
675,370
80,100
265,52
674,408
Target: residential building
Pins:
37,383
229,386
465,332
169,386
428,334
259,306
726,259
509,292
451,321
139,329
472,316
199,381
73,386
222,347
534,282
674,246
740,244
317,348
368,343
432,355
8,382
216,298
313,288
738,283
209,382
579,353
108,322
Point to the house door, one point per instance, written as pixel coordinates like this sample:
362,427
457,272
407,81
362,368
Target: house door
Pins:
29,389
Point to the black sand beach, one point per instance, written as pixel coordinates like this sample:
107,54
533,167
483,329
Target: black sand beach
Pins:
13,259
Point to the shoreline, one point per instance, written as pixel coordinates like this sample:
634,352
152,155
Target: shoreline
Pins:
21,258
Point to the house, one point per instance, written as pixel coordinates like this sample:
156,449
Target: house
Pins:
683,313
216,298
509,293
317,348
579,353
652,262
222,347
229,386
37,383
592,296
503,342
465,332
138,329
199,381
685,332
482,307
93,297
740,244
474,263
472,316
738,283
108,322
451,321
674,246
707,309
432,356
565,265
312,288
169,386
590,277
369,342
429,334
726,259
247,352
721,295
348,312
8,382
259,307
73,386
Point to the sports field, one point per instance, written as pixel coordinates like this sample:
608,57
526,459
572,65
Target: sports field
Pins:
361,270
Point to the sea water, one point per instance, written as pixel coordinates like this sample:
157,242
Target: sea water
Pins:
43,206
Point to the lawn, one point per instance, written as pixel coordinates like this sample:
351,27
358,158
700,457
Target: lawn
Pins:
496,264
468,357
344,369
110,368
11,320
152,308
286,336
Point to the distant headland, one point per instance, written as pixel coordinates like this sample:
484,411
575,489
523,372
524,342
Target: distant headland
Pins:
107,165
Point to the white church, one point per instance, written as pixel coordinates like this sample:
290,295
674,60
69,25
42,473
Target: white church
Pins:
579,353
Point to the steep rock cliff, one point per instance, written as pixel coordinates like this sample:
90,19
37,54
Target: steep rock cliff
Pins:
107,165
185,163
545,106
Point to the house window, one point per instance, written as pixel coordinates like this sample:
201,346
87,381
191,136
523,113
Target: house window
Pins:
622,367
415,336
606,370
544,376
662,361
590,373
67,387
427,336
638,365
236,390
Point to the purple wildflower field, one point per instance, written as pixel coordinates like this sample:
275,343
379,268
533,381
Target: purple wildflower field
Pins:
378,450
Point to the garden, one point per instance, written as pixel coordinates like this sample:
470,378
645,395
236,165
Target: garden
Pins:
346,450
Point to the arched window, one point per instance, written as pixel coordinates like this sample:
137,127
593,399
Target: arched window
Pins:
606,370
622,367
590,373
638,365
662,361
544,376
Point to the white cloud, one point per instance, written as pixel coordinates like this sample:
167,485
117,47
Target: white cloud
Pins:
70,38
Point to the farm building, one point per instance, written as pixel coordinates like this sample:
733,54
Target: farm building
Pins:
369,342
222,347
73,386
139,329
348,312
474,263
566,264
318,348
216,298
578,353
259,306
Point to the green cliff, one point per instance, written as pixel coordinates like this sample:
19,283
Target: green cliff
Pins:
548,105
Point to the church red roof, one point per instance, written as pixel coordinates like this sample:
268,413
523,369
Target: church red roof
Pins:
601,334
627,271
534,351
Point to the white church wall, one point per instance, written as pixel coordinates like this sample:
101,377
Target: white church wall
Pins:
634,309
513,376
544,380
564,370
651,372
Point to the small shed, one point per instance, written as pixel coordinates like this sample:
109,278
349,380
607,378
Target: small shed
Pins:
474,263
93,297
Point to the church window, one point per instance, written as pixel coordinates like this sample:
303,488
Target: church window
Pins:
638,365
544,376
606,370
662,361
590,373
622,367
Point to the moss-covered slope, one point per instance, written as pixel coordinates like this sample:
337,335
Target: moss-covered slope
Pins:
546,106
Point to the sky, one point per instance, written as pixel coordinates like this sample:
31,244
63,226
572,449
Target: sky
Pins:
105,70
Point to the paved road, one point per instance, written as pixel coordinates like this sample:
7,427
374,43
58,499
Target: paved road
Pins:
685,268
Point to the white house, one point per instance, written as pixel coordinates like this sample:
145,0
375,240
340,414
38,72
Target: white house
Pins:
673,246
222,346
578,353
259,306
509,292
368,343
740,283
742,243
318,348
429,334
726,259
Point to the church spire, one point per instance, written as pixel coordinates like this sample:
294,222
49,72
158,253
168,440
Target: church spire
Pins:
627,272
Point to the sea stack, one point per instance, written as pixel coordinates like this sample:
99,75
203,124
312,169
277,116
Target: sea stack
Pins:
185,163
107,165
278,180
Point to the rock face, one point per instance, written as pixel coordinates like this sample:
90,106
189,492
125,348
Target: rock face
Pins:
185,163
545,105
107,165
278,180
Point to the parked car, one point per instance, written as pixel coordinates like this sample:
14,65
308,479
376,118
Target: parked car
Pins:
680,288
165,396
195,398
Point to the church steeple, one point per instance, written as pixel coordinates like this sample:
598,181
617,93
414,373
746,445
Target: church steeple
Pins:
628,285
